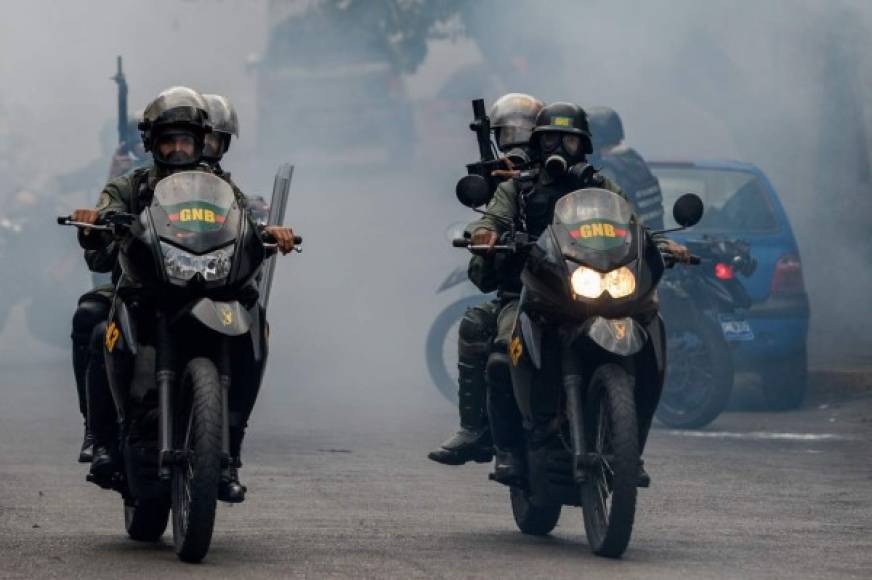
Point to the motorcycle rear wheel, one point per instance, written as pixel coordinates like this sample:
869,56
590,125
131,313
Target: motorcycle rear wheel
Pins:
198,431
532,519
608,497
146,520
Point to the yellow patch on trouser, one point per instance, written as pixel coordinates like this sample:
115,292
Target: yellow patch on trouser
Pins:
113,333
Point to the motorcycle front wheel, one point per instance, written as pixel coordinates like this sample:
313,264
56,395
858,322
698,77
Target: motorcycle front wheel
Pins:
608,496
195,479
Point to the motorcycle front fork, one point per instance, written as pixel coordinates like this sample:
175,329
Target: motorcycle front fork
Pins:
573,383
166,387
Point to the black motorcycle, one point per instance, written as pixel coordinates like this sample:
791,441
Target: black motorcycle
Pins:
587,343
704,309
182,325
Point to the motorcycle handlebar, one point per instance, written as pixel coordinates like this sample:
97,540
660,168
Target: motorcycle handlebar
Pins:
66,220
499,248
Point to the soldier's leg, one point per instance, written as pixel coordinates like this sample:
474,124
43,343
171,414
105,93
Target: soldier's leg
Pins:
472,442
652,363
91,311
102,416
505,418
247,377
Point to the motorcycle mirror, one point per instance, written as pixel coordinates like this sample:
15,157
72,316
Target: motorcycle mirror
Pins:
687,210
473,191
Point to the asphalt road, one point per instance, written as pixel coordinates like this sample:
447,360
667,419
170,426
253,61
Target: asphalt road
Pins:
757,495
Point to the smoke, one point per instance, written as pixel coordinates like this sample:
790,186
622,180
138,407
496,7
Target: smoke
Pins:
781,84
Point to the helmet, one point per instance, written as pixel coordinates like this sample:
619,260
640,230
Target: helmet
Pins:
565,118
176,112
513,117
606,127
225,125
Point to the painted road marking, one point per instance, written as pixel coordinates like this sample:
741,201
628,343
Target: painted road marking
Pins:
762,435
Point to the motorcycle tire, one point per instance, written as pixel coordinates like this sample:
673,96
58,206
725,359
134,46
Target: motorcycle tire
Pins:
440,332
532,519
785,382
146,520
195,480
608,496
699,376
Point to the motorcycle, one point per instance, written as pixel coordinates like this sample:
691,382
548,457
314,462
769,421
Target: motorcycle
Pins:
587,343
704,309
173,346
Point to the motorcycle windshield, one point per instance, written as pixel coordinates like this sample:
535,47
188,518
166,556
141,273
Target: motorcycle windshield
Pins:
196,211
594,220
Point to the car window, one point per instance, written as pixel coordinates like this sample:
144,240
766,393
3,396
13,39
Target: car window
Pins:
735,201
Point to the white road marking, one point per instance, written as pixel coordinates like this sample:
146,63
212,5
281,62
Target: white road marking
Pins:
761,435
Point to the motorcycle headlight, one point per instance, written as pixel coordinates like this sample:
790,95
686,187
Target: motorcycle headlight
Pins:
184,265
589,283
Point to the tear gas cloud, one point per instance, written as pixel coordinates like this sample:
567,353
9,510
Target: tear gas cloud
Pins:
780,83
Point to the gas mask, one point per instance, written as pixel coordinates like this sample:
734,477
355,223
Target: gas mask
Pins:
560,151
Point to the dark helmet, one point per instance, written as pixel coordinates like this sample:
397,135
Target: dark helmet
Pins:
512,118
606,127
177,111
225,126
563,118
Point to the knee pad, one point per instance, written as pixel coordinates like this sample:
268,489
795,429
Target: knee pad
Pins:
89,314
499,375
476,332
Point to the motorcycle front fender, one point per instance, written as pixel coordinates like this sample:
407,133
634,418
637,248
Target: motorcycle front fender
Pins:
227,318
620,336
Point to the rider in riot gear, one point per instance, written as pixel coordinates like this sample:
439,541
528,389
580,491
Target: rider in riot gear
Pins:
174,129
225,126
561,140
513,117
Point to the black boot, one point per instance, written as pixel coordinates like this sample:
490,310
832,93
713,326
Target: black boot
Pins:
86,454
103,466
509,468
230,489
643,479
473,441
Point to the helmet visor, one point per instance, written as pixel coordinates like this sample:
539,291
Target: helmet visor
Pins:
508,136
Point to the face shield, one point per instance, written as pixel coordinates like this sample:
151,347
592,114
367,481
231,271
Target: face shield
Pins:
215,145
511,136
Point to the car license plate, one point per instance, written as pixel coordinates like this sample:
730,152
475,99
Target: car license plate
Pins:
735,328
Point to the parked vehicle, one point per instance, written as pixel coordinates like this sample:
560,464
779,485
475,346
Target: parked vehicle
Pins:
705,312
741,203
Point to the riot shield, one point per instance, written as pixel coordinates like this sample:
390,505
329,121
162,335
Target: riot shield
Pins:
278,205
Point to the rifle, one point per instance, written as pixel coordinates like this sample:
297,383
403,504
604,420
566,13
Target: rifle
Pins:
488,161
121,81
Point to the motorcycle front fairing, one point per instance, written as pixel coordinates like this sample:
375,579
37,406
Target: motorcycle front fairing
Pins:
195,249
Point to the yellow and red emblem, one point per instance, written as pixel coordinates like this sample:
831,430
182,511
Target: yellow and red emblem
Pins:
516,350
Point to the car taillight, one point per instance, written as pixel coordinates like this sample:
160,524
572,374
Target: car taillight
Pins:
787,278
723,271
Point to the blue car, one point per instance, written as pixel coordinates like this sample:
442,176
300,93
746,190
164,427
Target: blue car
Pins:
740,203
